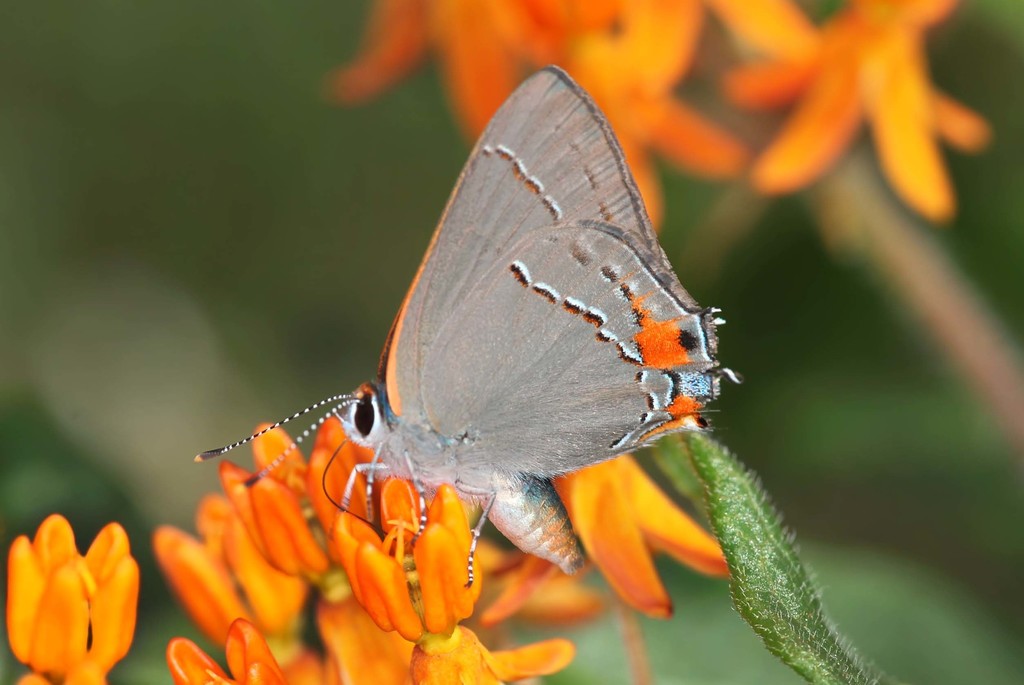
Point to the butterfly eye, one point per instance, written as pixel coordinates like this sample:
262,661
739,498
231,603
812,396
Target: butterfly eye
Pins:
362,418
365,415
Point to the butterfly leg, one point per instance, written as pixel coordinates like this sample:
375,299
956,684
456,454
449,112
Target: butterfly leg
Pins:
420,492
368,469
477,529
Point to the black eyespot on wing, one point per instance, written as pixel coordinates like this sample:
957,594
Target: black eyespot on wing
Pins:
687,340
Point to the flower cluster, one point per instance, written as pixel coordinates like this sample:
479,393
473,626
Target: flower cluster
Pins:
395,604
391,603
866,62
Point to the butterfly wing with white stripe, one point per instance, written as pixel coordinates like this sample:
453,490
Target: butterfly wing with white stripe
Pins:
547,160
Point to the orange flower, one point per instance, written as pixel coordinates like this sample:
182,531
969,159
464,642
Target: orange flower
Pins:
263,549
249,660
419,589
629,55
287,512
620,514
70,618
868,62
225,578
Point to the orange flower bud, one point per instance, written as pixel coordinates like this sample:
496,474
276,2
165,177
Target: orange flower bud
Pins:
70,618
249,660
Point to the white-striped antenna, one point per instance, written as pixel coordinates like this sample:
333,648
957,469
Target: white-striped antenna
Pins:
339,399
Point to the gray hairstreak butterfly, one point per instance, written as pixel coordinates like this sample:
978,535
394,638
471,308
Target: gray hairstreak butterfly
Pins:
544,332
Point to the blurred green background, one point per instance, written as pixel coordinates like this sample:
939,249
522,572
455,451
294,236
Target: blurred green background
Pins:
192,240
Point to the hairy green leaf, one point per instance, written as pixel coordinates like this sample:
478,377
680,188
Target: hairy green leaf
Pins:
771,588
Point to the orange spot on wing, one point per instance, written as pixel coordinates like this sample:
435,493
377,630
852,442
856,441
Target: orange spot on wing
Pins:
659,341
660,345
684,411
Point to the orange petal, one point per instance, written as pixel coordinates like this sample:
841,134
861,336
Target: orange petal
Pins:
233,481
394,44
904,136
249,658
687,139
605,521
360,650
384,593
446,509
651,50
61,631
775,28
441,565
106,551
288,542
666,526
479,72
346,537
815,134
54,542
189,665
768,85
960,126
200,583
213,516
113,611
663,36
540,658
563,601
563,20
276,598
277,445
519,586
399,506
26,582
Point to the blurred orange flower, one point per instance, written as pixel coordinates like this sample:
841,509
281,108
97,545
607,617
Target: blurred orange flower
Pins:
249,660
70,618
868,62
420,590
620,515
629,55
225,578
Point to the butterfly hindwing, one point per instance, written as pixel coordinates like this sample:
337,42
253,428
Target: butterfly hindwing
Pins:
568,352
